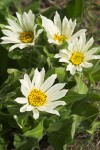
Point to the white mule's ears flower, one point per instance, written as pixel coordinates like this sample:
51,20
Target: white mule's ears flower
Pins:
40,95
58,31
78,54
22,32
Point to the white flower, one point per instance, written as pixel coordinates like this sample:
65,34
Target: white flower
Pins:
78,54
58,31
21,32
40,95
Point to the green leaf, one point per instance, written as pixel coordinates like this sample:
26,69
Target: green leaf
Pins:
61,73
76,121
84,109
95,68
95,126
72,96
54,126
0,127
34,6
92,97
74,9
59,138
80,87
49,11
2,144
23,143
36,132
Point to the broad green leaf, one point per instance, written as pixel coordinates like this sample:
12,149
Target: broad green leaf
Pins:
85,109
72,96
61,73
23,143
54,126
59,138
36,132
92,97
13,108
80,87
2,144
22,120
95,126
74,9
15,55
95,68
76,121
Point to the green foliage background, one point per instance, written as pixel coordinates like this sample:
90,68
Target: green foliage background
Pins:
82,111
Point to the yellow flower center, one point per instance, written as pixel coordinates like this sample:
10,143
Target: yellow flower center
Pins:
59,38
37,98
27,37
77,58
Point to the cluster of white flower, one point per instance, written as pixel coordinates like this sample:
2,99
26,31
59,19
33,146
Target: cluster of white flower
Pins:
78,52
40,95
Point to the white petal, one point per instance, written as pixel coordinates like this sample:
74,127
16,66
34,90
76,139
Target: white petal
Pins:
29,108
21,100
79,68
57,22
95,57
55,88
38,78
27,80
13,29
89,44
73,24
14,46
35,113
35,77
51,40
63,60
24,91
19,18
64,27
14,25
49,26
56,103
26,83
38,33
23,45
71,68
57,95
57,56
82,41
77,34
91,52
24,108
87,64
10,40
10,34
53,112
49,82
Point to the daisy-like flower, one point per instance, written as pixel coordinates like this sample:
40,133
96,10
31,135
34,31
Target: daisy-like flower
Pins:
21,32
78,55
40,95
58,31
